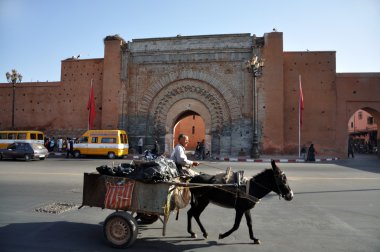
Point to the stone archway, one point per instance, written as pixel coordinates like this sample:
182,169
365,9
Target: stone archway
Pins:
174,114
196,95
351,107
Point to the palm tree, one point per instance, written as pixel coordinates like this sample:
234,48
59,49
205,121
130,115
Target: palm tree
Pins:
13,77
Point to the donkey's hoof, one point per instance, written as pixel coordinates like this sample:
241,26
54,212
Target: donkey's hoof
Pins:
256,241
194,236
205,235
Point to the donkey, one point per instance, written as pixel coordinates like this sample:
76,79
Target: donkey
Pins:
235,197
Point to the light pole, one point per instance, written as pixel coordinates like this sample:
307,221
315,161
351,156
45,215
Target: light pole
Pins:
255,67
13,77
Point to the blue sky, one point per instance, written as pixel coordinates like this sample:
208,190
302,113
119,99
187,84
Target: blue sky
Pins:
37,34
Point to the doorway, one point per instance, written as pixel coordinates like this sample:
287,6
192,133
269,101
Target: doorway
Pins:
191,124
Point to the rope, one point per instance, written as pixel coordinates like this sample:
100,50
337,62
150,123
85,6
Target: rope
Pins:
217,186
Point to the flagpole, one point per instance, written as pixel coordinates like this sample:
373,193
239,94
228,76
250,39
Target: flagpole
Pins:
299,117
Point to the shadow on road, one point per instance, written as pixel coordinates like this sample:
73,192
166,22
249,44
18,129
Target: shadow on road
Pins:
69,236
363,162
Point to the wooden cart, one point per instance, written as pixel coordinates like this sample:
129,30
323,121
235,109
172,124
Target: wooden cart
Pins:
149,201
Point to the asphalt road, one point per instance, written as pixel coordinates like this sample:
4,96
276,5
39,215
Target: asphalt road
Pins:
336,208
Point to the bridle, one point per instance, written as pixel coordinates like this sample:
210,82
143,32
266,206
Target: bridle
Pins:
278,178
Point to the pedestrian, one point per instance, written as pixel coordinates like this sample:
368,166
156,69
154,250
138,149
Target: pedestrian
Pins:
70,147
51,145
156,148
350,148
140,145
202,149
180,159
60,144
303,152
311,154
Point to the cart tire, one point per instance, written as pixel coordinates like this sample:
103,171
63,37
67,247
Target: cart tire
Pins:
120,229
146,219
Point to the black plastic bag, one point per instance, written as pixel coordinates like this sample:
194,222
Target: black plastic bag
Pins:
161,169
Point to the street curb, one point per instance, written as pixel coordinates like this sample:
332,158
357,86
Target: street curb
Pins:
277,160
237,159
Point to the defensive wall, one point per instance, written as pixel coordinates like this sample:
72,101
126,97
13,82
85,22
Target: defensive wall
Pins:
145,86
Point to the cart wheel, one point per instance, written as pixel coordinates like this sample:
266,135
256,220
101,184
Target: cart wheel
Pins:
120,229
146,218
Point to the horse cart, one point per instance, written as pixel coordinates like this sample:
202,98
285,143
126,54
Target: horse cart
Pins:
150,201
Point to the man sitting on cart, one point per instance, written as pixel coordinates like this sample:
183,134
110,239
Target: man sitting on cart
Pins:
180,159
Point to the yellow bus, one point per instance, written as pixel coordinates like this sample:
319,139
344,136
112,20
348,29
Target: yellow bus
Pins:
110,143
10,136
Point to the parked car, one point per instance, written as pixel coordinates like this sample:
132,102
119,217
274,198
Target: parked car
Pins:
26,151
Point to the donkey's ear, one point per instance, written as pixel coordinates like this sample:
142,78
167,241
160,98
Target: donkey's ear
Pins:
274,166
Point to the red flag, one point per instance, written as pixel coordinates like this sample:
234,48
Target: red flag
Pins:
301,105
91,108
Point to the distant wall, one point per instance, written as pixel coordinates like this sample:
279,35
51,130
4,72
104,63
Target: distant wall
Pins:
57,108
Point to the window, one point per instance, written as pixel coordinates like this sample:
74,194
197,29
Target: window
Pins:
94,139
3,135
370,120
352,124
21,136
83,140
108,140
40,137
123,138
12,136
33,136
193,130
360,115
21,146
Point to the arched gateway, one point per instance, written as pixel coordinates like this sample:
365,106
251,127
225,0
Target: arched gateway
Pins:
167,99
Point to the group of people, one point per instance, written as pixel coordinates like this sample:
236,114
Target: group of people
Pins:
155,150
60,145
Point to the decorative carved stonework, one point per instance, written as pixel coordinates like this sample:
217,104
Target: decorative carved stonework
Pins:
189,89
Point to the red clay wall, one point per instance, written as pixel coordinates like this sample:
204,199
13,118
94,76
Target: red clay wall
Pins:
57,108
317,70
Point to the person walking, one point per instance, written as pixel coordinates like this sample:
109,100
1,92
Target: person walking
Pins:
52,145
156,148
311,154
60,144
180,159
350,148
70,147
140,144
